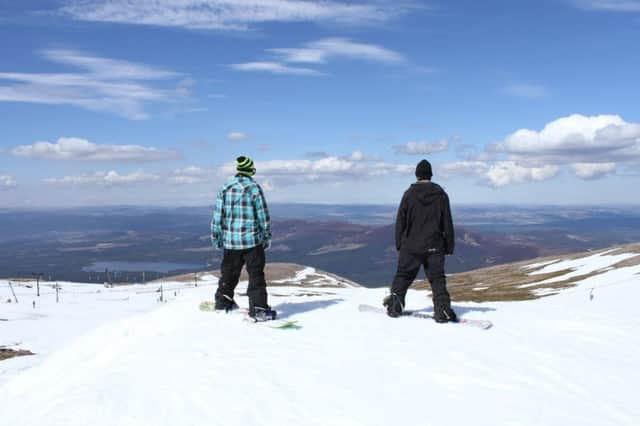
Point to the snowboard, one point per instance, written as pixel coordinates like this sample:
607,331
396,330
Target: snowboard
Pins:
280,324
483,324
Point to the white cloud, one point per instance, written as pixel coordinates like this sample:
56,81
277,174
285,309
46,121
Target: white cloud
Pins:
611,5
82,150
577,138
189,175
237,15
108,179
185,86
105,85
237,136
318,52
105,68
592,147
593,170
509,172
274,68
499,173
321,51
463,168
526,91
422,147
357,156
326,169
7,182
186,176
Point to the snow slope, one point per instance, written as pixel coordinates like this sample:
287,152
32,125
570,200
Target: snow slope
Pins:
119,357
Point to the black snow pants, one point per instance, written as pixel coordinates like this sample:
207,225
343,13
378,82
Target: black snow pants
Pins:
408,267
232,263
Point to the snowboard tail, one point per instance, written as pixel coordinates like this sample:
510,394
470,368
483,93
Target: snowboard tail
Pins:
483,324
281,324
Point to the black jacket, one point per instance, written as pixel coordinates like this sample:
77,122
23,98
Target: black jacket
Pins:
424,222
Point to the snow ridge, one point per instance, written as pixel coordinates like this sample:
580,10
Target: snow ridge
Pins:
118,356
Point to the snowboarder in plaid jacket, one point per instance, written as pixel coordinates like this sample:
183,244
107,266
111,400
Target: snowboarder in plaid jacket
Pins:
424,235
241,227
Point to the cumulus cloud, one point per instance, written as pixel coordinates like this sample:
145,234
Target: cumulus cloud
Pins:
526,91
422,147
499,173
325,169
321,51
593,170
357,156
508,172
189,175
7,182
577,138
82,150
107,179
235,15
185,176
463,168
237,136
105,85
590,146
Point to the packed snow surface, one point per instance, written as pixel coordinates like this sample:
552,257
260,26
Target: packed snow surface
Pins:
120,357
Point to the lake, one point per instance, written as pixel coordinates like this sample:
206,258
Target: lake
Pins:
162,267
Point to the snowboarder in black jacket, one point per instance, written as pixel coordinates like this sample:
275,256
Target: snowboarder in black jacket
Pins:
424,235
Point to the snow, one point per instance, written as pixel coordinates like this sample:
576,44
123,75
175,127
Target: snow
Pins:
583,266
312,277
120,357
540,264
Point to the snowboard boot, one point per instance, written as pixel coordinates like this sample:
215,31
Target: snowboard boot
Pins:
442,311
394,305
260,314
225,303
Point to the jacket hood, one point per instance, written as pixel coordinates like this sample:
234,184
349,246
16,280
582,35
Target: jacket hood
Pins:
426,192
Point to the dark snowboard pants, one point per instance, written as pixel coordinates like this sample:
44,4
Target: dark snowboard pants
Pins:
232,263
408,267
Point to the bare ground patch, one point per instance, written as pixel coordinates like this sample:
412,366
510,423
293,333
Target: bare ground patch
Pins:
514,281
280,275
6,353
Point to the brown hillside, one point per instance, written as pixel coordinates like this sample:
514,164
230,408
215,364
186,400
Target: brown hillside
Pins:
504,282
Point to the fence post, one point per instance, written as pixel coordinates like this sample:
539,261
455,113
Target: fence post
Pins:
14,293
38,275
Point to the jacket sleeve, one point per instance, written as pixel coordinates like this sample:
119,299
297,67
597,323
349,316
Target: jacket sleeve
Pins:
262,215
216,222
401,221
447,226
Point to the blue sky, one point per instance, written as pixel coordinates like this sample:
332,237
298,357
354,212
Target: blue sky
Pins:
149,102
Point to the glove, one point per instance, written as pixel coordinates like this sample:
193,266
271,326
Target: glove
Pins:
217,243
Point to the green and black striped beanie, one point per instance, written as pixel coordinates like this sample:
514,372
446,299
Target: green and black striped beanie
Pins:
244,166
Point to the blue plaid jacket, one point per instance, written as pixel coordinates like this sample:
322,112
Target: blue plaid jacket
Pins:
241,217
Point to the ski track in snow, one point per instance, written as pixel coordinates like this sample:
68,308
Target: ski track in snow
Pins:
119,357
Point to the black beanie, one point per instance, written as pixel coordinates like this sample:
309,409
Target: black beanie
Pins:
423,170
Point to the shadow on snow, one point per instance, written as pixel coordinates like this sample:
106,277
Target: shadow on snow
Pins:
287,309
